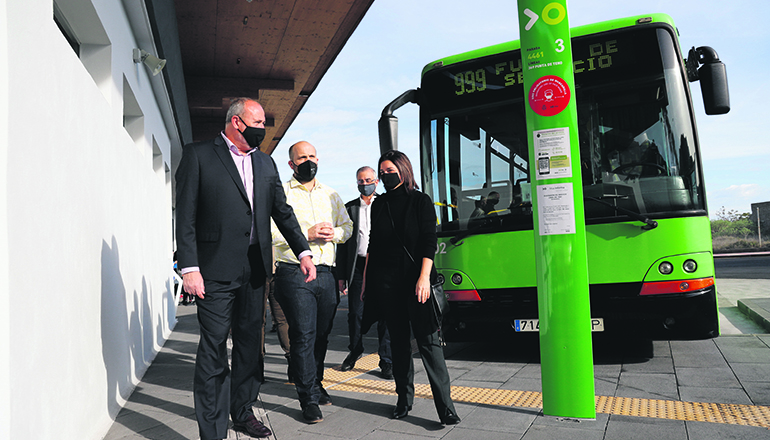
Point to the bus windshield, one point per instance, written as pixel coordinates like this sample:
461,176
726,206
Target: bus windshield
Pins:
638,150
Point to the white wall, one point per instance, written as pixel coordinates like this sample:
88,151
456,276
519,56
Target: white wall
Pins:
84,276
5,327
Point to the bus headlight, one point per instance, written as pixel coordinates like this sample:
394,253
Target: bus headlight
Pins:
666,268
690,266
440,279
457,279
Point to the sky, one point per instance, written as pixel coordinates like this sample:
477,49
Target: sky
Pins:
396,38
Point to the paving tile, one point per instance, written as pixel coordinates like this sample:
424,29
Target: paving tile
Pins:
531,371
699,360
609,370
714,395
541,432
707,376
752,372
648,386
523,384
605,387
462,433
744,348
490,371
759,392
721,431
599,424
654,365
500,419
639,428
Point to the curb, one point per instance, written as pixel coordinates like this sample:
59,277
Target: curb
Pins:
757,311
742,254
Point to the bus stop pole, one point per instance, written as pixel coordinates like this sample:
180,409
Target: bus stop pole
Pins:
566,351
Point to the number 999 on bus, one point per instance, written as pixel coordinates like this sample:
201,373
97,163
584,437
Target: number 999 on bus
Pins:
470,81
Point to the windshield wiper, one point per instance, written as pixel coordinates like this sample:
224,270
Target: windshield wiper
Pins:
648,223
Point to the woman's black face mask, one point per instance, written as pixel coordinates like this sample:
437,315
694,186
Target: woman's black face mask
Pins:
390,181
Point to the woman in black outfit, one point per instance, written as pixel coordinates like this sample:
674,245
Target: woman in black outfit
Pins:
397,283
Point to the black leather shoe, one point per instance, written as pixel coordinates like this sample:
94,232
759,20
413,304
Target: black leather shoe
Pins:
401,411
325,399
450,418
386,371
312,413
252,427
350,362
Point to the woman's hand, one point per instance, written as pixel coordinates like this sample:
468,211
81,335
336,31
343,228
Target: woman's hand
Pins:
422,290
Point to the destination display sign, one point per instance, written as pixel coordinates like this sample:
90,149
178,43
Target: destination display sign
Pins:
598,59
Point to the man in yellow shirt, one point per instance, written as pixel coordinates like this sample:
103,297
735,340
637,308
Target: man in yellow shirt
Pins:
310,307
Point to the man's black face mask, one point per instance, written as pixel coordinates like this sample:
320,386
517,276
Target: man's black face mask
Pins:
253,135
305,172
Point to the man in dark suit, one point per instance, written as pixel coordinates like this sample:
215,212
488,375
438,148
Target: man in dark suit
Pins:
351,257
227,191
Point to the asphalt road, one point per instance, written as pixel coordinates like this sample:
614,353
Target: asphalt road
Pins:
746,268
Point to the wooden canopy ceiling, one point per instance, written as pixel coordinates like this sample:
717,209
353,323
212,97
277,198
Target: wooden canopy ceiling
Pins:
274,50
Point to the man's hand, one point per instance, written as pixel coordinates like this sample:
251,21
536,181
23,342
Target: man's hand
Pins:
307,267
341,287
192,283
323,232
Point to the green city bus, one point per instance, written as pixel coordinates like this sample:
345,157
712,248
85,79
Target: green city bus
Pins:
650,262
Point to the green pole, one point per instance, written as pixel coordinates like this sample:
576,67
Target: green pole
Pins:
560,238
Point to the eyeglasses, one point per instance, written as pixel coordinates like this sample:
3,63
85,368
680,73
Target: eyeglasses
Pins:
366,181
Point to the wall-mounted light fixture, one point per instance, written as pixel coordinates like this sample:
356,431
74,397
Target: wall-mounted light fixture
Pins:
154,63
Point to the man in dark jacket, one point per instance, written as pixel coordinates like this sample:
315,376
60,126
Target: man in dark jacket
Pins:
351,257
226,193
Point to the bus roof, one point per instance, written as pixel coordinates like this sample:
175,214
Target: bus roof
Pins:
578,31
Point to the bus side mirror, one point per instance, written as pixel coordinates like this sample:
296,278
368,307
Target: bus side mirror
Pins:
713,79
388,130
387,126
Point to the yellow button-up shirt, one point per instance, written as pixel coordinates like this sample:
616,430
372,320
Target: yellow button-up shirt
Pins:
322,204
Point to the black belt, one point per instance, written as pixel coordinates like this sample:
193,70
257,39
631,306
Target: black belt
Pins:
318,267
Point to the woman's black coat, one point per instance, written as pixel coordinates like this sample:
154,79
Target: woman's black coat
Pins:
412,215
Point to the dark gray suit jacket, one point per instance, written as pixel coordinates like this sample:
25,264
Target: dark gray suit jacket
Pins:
213,216
347,253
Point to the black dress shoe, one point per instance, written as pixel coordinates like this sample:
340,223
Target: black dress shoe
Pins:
450,418
350,361
401,411
386,371
312,413
325,399
252,427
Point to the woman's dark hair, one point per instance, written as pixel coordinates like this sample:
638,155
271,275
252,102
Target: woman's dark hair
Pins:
404,167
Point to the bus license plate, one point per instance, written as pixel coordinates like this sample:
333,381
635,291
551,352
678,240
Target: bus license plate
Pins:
533,325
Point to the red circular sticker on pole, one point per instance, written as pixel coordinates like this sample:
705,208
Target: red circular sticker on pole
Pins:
549,95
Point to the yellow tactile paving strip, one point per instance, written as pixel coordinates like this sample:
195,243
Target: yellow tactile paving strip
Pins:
749,415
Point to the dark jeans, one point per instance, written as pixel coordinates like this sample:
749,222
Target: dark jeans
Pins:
310,309
279,320
356,312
